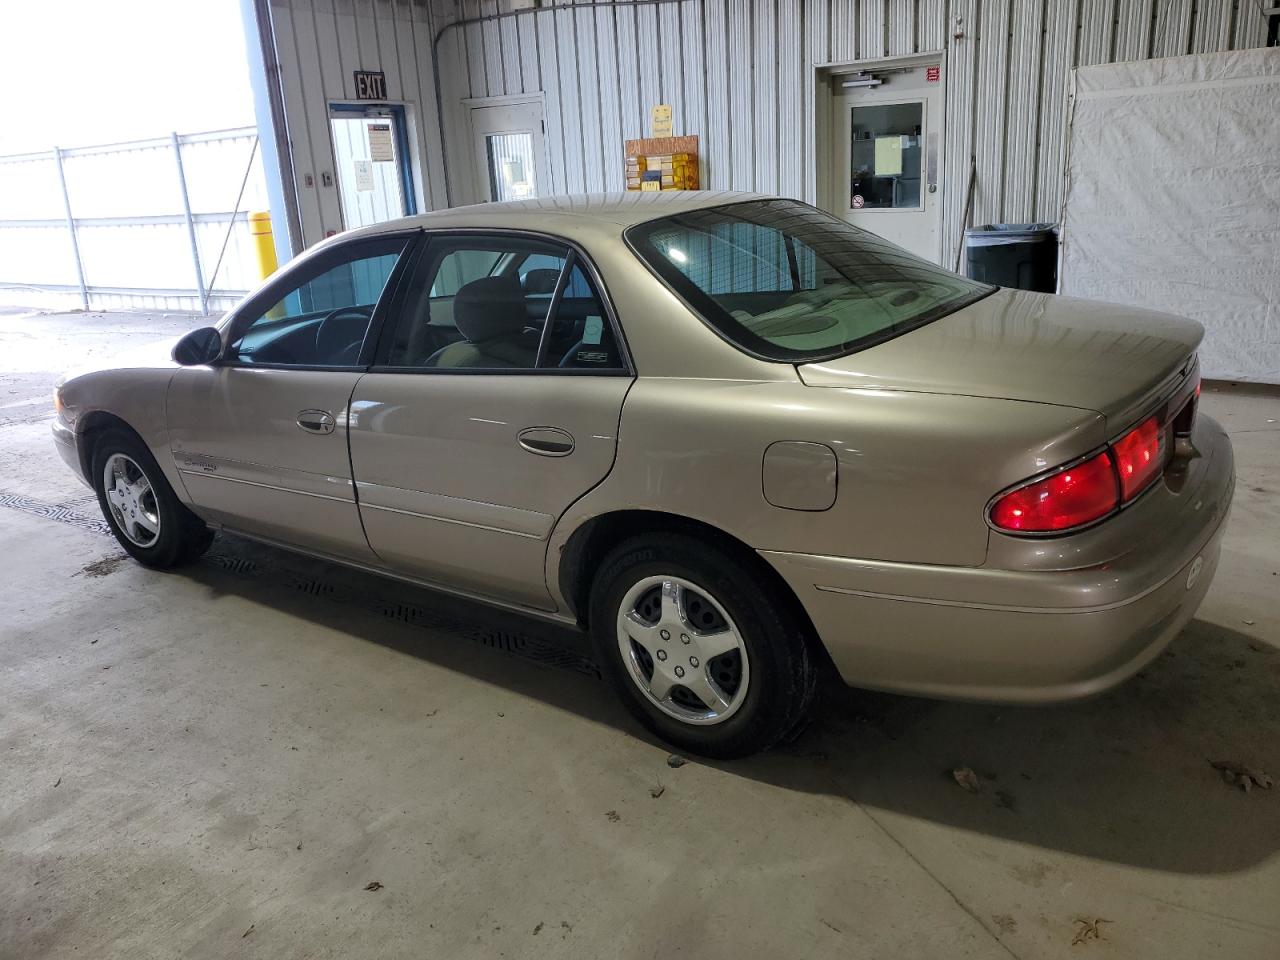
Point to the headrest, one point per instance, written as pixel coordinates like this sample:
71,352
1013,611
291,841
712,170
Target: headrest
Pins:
541,280
488,308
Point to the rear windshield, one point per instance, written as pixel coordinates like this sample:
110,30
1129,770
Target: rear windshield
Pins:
785,281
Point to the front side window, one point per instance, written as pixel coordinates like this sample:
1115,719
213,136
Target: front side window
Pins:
787,282
501,303
324,318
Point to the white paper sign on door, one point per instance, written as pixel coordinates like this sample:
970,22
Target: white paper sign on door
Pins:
889,156
380,149
364,175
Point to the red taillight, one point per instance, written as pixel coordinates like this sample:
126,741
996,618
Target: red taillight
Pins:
1138,457
1069,498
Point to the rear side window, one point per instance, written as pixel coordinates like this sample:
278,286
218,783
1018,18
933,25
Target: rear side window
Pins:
787,282
581,337
501,303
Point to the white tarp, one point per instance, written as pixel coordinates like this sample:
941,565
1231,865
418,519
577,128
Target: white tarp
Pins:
1173,198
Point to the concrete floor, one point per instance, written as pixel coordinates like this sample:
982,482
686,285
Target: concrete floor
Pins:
218,762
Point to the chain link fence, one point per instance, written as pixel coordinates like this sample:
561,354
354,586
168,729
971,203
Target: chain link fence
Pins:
149,224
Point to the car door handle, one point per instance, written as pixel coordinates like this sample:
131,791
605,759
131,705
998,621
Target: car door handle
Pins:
316,421
546,441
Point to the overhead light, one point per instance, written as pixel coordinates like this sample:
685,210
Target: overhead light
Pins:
861,80
677,255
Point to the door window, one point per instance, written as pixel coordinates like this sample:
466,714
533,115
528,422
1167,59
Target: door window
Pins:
509,156
539,273
370,144
323,319
581,337
510,161
885,155
491,304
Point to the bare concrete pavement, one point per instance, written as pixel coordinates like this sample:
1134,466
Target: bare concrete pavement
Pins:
219,762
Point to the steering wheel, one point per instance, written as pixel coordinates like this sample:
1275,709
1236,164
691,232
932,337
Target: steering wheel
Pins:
340,335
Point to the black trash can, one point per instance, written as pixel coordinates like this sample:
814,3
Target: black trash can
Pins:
1019,255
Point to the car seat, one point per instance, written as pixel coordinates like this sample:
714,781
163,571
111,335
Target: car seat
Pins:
490,315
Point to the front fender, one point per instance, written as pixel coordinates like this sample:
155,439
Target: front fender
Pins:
136,398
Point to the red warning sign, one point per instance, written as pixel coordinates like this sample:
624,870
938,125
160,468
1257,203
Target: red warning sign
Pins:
932,74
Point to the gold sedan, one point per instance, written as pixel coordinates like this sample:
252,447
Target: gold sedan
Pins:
731,436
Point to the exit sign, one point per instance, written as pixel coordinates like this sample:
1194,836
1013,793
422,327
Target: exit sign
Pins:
371,85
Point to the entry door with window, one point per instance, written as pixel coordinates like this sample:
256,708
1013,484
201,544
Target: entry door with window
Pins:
510,159
888,126
260,437
371,157
493,406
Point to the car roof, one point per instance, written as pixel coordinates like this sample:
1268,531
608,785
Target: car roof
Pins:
573,215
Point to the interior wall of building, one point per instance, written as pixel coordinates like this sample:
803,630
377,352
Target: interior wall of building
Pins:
319,44
740,74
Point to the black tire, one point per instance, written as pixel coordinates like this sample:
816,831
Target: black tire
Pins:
182,536
783,673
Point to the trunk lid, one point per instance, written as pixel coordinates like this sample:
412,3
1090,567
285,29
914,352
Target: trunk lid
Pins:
1036,347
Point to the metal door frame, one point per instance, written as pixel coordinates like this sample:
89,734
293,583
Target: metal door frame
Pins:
472,104
398,115
822,143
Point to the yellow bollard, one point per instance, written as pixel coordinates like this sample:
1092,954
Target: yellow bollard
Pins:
264,243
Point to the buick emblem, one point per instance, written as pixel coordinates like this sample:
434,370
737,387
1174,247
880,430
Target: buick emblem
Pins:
1194,573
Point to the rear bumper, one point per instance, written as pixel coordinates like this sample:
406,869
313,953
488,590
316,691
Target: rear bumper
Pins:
1026,635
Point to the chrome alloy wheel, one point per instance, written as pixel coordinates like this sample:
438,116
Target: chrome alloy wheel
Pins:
683,650
132,500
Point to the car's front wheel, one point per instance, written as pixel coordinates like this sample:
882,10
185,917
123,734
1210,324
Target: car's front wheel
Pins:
140,507
702,648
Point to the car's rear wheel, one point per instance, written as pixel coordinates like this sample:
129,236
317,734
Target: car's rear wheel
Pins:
703,649
140,507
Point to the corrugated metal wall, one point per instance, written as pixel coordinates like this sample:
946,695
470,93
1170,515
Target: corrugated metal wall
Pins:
319,46
738,73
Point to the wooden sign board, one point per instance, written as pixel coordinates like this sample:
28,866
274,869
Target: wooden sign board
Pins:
659,146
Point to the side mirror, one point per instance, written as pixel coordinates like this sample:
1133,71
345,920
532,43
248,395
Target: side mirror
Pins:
199,347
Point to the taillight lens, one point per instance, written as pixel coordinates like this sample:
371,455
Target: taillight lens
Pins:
1069,498
1138,457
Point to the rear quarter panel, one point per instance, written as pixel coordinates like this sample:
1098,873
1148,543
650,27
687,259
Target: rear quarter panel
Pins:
914,474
